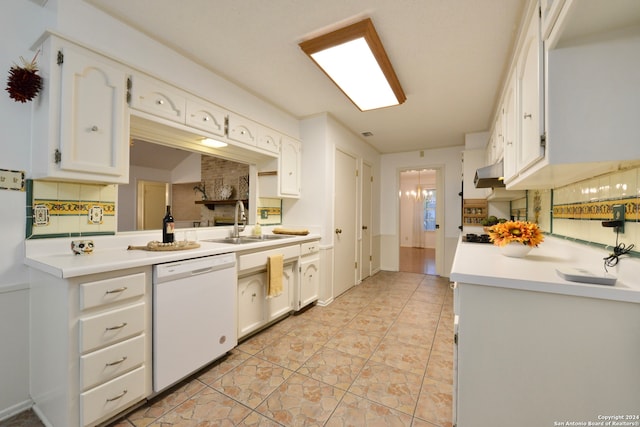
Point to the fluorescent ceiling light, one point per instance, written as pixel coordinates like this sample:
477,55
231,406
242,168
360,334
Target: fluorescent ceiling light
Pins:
354,58
214,143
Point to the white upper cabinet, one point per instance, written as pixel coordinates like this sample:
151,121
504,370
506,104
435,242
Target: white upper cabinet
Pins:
153,97
268,139
81,120
510,125
243,130
207,117
530,85
591,92
281,177
290,159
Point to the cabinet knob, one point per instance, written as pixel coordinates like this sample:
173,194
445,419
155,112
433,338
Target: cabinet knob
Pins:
160,102
205,119
253,295
364,227
527,115
94,128
338,230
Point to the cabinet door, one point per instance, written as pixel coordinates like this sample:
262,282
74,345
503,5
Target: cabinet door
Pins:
309,281
156,98
243,130
94,125
510,124
207,117
251,296
283,304
268,139
530,84
290,167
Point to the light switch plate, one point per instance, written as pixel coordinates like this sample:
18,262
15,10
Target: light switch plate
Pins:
12,180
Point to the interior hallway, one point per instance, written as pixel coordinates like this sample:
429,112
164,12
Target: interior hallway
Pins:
418,260
381,354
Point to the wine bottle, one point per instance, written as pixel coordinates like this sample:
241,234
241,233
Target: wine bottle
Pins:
168,227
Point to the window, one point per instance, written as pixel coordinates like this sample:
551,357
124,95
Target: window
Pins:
429,211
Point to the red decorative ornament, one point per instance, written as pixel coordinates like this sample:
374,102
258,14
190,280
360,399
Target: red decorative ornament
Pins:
24,83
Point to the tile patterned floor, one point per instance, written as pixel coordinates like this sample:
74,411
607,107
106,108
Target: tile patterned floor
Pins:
380,355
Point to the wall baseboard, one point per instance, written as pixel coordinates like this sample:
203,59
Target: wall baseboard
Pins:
15,409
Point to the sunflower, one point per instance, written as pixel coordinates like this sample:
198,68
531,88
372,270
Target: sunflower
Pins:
527,233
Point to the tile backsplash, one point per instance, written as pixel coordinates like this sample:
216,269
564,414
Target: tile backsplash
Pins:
578,209
65,209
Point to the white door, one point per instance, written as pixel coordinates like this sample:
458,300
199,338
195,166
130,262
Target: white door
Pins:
366,249
344,237
152,204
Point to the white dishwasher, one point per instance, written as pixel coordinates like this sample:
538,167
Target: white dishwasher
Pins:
194,315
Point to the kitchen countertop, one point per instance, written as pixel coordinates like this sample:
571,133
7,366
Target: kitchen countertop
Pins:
54,256
483,264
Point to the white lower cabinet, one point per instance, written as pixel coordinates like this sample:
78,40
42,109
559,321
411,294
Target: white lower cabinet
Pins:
90,346
300,283
251,307
532,359
309,285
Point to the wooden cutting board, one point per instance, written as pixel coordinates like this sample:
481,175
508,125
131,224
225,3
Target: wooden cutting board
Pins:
159,246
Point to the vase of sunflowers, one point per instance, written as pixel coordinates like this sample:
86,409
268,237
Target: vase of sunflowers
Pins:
516,238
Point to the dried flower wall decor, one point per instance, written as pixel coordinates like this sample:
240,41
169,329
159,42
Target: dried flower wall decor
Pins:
24,83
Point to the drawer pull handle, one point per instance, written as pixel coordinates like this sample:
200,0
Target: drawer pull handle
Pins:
111,399
120,326
115,291
117,362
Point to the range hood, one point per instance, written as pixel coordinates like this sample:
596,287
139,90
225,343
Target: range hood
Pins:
490,176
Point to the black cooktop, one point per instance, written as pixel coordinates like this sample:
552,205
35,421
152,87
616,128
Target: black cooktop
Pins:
476,238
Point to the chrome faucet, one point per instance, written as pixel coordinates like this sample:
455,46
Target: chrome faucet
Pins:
237,228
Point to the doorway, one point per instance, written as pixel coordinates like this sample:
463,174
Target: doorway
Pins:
419,228
153,197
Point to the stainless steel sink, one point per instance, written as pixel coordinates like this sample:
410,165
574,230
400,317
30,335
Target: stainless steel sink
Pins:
248,239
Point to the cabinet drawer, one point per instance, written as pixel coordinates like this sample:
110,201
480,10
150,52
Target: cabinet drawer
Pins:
207,117
268,140
115,325
103,365
157,99
94,294
259,259
309,248
242,130
112,397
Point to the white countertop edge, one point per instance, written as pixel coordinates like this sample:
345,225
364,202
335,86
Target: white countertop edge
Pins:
108,256
482,264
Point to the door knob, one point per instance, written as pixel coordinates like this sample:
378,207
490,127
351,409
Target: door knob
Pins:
338,230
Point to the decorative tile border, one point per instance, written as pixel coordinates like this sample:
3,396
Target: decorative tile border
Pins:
49,217
599,210
68,207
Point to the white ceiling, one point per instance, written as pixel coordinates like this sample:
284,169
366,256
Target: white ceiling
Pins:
450,57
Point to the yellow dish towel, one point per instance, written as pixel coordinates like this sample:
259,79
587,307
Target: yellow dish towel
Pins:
274,272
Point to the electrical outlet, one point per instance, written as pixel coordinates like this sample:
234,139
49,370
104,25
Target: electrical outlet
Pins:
618,215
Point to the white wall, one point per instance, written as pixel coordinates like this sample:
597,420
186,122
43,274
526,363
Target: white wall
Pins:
21,23
448,159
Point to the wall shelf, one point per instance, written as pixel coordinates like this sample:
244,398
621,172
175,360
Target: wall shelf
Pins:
211,204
